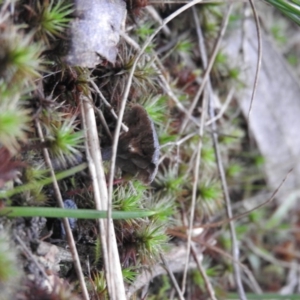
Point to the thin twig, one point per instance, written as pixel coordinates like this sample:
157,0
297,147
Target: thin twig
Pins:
199,147
175,259
208,285
67,227
255,286
208,245
125,96
177,143
272,197
103,121
155,16
224,107
268,257
207,65
259,56
32,257
124,127
159,68
201,128
184,139
172,277
195,188
235,249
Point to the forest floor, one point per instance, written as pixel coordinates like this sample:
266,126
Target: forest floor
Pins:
197,217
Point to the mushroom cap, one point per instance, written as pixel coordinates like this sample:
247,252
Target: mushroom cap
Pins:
138,149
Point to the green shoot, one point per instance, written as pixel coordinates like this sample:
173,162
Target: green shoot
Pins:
53,18
151,239
19,57
64,142
129,274
13,125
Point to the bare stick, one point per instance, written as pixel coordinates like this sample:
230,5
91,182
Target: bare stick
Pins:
223,109
178,142
259,56
67,227
172,277
103,121
268,257
155,16
235,249
208,285
208,66
32,257
124,127
113,269
195,188
124,100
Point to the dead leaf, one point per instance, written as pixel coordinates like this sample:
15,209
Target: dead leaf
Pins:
9,169
95,32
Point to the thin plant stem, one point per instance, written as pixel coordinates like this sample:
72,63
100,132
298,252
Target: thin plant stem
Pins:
224,107
235,249
159,68
208,66
110,253
195,188
103,121
174,258
124,127
55,212
269,200
201,128
172,277
67,226
201,269
208,245
268,257
259,56
125,96
31,256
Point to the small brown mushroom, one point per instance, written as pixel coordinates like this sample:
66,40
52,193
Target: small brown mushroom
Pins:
138,149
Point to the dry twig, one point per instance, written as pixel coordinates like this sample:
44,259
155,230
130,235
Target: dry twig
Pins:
107,234
172,277
259,56
67,227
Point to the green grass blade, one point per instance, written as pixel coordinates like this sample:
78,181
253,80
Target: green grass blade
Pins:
48,180
289,8
54,212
